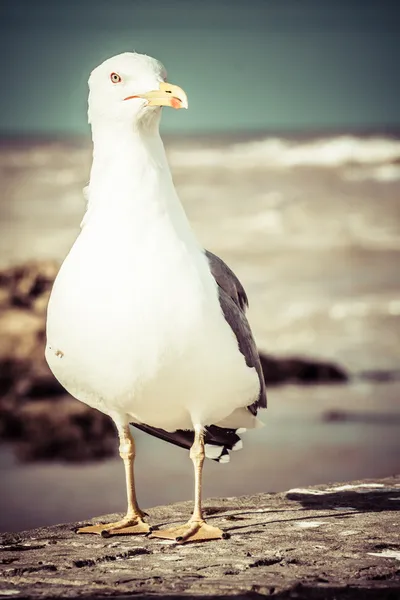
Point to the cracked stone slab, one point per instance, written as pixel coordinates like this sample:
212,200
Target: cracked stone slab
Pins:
329,541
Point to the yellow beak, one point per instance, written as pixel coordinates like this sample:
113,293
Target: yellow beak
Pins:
166,95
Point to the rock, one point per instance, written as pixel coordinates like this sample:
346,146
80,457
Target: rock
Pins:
341,416
64,429
27,285
301,371
324,542
381,375
24,293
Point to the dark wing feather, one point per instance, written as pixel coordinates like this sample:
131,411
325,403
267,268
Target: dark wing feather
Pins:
223,437
233,301
227,280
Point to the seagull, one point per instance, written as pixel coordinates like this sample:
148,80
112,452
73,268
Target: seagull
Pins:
143,323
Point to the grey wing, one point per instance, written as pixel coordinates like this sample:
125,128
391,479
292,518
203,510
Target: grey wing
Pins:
233,301
227,280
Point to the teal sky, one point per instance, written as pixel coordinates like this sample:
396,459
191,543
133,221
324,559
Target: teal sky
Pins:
254,64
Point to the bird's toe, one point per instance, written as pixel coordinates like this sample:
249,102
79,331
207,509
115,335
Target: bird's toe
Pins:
129,526
197,531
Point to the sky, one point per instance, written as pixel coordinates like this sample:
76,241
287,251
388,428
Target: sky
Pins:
253,65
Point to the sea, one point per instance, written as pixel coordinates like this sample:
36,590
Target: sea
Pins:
311,225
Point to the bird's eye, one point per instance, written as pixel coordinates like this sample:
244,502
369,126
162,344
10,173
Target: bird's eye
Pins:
115,78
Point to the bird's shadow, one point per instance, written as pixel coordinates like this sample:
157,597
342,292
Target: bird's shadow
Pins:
343,504
372,500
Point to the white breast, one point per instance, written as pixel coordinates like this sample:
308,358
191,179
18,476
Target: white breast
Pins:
135,327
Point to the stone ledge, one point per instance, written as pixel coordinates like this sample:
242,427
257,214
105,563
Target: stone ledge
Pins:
323,542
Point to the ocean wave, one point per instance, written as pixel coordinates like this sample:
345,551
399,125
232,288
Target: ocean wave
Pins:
379,154
284,153
385,173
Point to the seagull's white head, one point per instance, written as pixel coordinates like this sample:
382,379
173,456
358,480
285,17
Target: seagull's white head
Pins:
130,89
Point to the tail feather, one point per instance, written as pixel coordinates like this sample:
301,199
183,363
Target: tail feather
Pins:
219,441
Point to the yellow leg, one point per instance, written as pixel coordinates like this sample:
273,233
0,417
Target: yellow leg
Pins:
196,529
133,522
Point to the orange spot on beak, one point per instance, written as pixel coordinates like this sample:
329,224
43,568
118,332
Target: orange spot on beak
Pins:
176,103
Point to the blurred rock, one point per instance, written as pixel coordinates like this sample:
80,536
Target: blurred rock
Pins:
64,429
380,375
301,371
371,418
27,285
24,293
34,409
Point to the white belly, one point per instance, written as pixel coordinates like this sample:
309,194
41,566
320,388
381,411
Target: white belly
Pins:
142,334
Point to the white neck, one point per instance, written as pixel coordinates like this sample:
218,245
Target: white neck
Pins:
124,162
131,181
